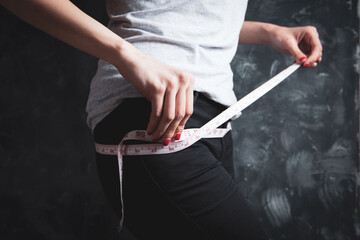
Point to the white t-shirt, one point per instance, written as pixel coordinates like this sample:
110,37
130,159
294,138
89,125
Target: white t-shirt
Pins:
198,36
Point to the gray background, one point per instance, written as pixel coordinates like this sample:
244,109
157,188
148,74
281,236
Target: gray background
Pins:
296,149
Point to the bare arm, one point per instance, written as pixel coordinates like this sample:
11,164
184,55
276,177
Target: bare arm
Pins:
302,43
255,33
169,90
63,20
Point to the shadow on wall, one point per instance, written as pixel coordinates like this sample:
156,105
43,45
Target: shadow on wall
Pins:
296,149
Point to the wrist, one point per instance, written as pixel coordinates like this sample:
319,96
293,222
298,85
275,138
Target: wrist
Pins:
117,51
268,33
122,55
257,33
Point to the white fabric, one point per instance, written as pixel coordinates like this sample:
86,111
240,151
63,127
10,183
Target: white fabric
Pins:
198,36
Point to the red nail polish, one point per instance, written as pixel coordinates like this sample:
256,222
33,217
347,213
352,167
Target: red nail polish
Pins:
302,59
166,141
178,136
149,133
306,64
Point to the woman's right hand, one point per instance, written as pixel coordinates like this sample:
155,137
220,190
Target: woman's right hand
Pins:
169,90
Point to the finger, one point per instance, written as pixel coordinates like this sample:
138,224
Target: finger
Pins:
316,50
156,109
168,115
313,64
188,107
174,130
314,57
295,51
188,110
182,115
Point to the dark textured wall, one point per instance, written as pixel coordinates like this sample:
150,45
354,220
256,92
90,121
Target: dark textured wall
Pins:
295,149
49,187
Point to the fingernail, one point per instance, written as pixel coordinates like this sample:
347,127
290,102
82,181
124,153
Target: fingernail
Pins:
178,136
149,133
166,141
302,59
306,64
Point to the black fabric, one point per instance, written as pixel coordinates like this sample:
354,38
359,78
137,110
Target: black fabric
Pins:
185,195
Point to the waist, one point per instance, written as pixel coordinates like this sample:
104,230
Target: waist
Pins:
124,119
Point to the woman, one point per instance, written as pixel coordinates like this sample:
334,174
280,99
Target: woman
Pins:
164,67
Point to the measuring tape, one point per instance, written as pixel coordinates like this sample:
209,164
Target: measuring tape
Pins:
189,136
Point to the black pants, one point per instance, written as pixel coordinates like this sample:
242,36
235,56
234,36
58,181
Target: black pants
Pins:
190,194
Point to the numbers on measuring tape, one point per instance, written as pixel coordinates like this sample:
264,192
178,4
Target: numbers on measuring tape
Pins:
140,133
189,136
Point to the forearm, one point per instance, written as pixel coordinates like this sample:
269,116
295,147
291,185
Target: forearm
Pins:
256,33
302,43
63,20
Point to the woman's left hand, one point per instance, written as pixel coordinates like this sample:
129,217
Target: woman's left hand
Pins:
302,43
